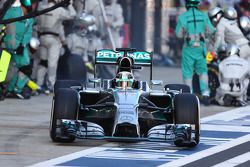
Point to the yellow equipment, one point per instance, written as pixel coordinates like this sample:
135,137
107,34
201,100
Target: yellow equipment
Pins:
4,64
210,57
33,86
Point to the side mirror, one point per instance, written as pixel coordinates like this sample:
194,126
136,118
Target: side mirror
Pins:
136,67
156,82
76,87
95,80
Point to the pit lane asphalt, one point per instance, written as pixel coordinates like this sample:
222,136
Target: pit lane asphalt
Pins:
24,126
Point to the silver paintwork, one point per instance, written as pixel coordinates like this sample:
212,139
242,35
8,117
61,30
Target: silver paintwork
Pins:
85,129
127,111
214,11
230,13
245,23
163,132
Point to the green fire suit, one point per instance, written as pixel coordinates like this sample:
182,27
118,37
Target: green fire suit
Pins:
194,26
18,33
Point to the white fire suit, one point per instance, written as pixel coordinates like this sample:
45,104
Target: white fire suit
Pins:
115,18
234,78
228,32
50,26
91,6
78,44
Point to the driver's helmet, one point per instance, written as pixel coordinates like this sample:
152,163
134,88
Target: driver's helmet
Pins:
124,80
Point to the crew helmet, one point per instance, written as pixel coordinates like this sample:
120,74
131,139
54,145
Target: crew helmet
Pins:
124,80
26,3
88,19
215,14
245,23
233,50
34,43
222,52
192,3
80,27
230,13
222,48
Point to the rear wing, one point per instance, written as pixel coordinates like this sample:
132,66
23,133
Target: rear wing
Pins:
107,56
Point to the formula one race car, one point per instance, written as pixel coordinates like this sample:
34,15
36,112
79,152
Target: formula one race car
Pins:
125,109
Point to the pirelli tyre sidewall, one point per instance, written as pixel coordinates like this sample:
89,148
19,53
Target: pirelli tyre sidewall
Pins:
187,111
65,105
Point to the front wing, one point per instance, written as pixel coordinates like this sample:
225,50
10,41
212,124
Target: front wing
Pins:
88,130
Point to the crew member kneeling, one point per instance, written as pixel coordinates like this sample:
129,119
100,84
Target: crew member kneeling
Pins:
234,75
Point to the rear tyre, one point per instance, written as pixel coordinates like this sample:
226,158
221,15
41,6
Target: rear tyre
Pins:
179,87
71,67
187,111
66,84
213,81
64,106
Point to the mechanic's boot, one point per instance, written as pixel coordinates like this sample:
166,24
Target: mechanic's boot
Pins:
239,103
18,95
228,100
1,97
205,100
26,93
14,95
43,90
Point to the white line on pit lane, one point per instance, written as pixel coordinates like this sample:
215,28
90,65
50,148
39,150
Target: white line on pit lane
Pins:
228,115
207,152
234,161
225,128
54,162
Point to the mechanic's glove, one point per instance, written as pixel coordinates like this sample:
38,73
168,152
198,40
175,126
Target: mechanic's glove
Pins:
19,49
66,3
90,67
2,31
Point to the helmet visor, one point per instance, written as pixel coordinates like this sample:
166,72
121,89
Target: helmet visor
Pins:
124,84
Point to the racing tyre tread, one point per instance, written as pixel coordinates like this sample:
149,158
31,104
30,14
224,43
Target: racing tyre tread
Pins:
187,111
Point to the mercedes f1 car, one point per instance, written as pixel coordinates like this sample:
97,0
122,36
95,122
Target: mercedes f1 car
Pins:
125,109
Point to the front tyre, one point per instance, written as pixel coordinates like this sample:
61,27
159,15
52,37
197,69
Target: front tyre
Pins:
64,106
187,111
